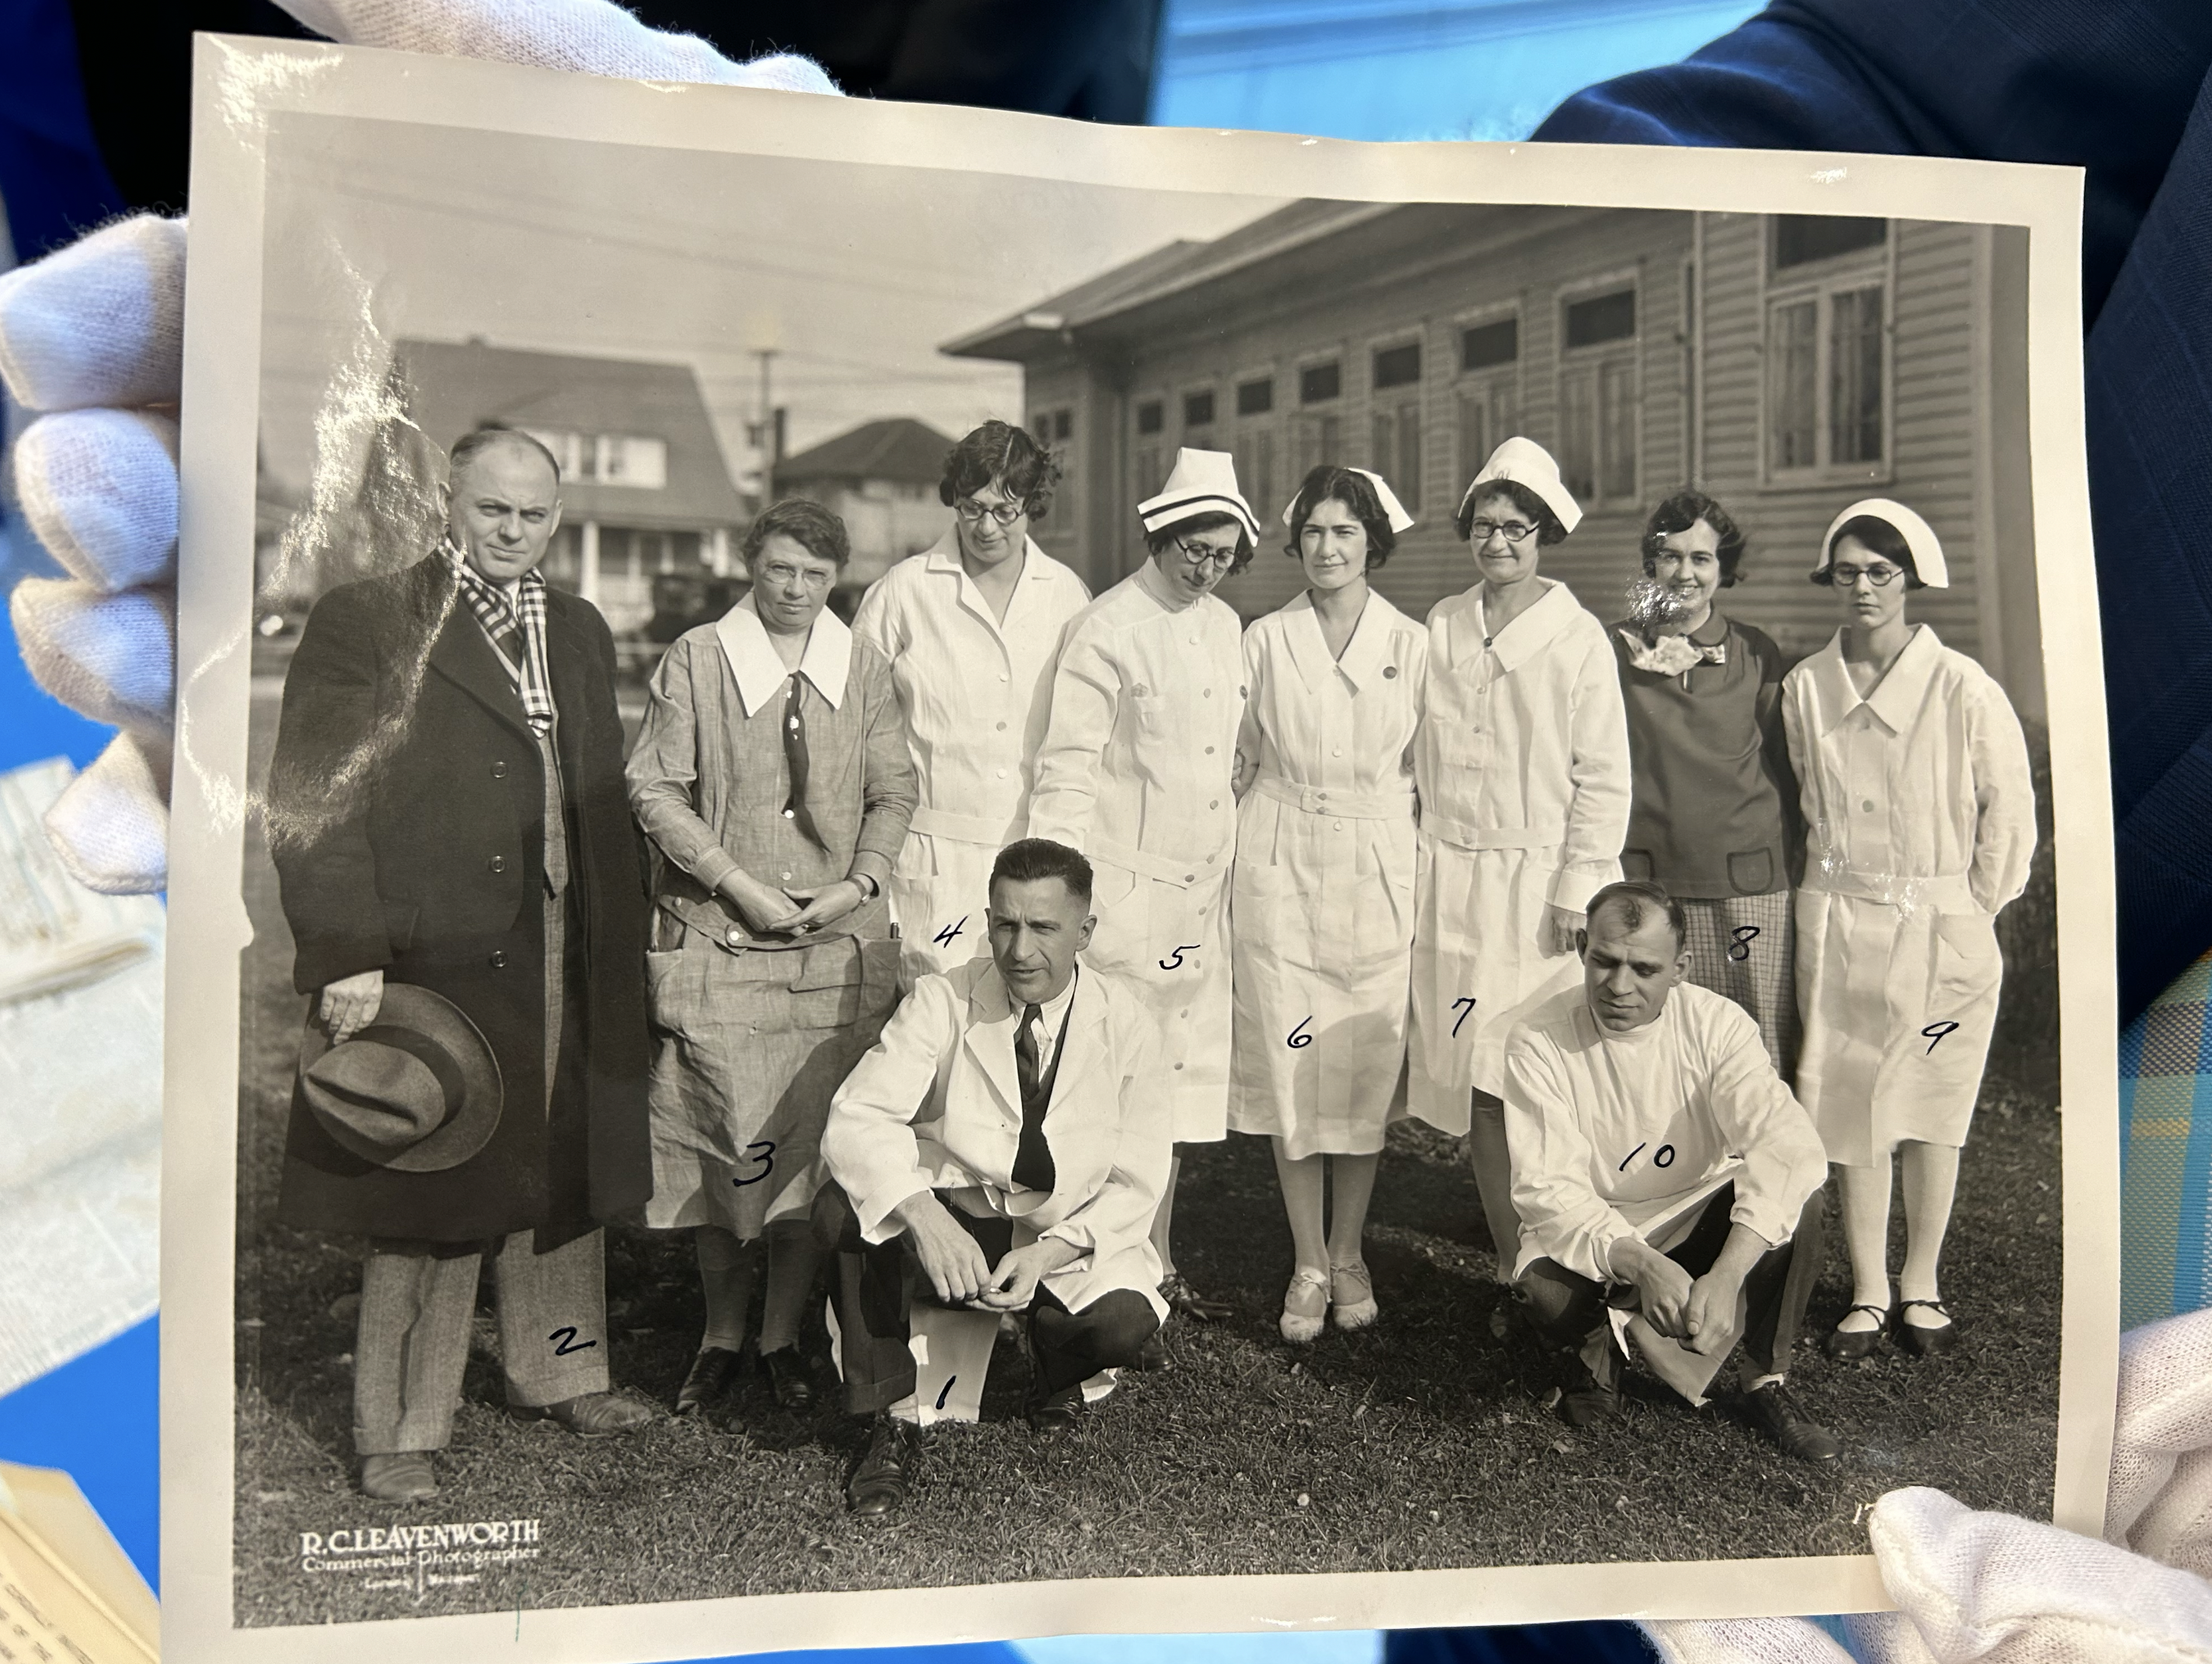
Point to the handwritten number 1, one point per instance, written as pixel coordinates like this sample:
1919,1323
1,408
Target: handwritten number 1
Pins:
947,1393
1933,1034
1465,1006
1299,1038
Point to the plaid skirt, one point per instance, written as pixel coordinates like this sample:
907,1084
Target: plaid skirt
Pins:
1745,947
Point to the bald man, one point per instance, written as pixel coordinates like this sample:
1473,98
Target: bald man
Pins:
447,813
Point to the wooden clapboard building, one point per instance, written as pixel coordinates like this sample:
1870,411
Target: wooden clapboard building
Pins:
1788,365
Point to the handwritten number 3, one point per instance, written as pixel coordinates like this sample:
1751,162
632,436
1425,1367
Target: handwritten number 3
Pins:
1174,961
565,1342
766,1158
1299,1038
1933,1034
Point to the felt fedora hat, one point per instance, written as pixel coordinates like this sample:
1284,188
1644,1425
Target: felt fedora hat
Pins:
417,1090
1919,538
1201,483
1525,462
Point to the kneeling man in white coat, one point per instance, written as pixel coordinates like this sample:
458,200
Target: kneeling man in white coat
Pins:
1002,1148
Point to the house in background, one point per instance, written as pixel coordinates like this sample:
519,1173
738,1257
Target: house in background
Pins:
645,491
881,480
1786,365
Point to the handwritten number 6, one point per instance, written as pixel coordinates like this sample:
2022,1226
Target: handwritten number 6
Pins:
1174,961
1933,1034
766,1158
1465,1006
1299,1038
1740,947
564,1341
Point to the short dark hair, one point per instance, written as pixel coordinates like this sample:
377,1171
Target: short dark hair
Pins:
1168,537
1630,897
1028,860
1548,529
999,454
1356,491
806,523
1880,538
480,439
1679,512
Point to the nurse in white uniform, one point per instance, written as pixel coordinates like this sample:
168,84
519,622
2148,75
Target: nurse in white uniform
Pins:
970,626
1523,766
1920,820
1322,901
1136,771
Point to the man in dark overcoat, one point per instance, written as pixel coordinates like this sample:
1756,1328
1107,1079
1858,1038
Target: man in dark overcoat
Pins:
446,810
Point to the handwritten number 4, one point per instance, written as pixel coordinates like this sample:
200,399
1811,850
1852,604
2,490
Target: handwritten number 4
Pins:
1933,1034
943,938
1465,1006
1174,961
765,1157
565,1342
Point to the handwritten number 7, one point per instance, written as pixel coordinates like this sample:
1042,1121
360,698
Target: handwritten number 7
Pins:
765,1157
1465,1006
1299,1038
1933,1034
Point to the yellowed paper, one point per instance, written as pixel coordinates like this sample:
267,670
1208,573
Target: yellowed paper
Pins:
67,1591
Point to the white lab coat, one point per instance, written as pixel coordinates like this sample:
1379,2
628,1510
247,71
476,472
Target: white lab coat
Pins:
1920,821
937,1105
976,693
1322,900
1136,771
1523,764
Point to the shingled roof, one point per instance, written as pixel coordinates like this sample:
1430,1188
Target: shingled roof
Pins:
458,385
897,447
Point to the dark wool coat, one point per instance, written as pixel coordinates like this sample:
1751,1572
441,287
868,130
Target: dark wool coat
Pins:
407,822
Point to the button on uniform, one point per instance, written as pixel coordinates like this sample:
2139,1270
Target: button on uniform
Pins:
497,863
499,771
734,936
498,958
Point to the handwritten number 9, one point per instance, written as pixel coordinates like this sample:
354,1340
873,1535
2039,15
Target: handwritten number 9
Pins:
1740,946
1933,1034
1465,1006
765,1157
1299,1038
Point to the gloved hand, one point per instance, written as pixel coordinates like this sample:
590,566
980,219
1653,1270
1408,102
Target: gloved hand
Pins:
1992,1587
92,335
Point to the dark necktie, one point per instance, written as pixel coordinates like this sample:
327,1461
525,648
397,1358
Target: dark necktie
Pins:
794,757
1033,1167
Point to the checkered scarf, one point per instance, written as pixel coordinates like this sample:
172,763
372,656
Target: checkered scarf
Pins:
516,632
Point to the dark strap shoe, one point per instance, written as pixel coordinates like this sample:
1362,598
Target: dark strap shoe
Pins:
1059,1412
712,1372
404,1476
1926,1340
1850,1345
788,1375
879,1485
588,1415
1783,1420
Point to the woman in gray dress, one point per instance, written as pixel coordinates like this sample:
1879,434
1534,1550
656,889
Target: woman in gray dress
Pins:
772,778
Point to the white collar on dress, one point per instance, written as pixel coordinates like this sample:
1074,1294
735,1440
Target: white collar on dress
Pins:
1899,692
1364,654
759,669
1529,633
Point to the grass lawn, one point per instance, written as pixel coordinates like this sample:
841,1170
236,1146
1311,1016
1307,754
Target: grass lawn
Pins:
1425,1442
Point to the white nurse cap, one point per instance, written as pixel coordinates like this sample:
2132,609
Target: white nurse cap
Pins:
1525,462
1393,510
1201,483
1919,538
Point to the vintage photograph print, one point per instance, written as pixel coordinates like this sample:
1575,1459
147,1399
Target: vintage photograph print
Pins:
926,860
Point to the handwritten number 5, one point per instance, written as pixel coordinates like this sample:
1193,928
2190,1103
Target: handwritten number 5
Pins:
1465,1006
565,1342
1933,1034
1299,1038
1174,961
765,1157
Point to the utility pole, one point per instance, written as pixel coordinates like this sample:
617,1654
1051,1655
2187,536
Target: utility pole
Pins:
769,448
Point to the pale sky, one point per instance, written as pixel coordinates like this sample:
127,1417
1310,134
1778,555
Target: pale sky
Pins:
855,273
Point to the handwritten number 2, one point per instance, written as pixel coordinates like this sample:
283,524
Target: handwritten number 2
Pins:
1174,961
565,1342
1740,946
1299,1038
1465,1006
765,1157
1933,1034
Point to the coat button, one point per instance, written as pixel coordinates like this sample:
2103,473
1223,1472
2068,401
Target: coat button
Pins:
1206,693
1178,1065
1389,671
1867,805
1215,804
1209,751
1190,878
499,771
1002,728
734,936
497,863
499,958
1340,825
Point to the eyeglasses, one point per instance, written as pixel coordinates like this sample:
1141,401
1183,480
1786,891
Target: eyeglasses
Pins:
783,576
1225,558
1479,532
1879,575
1006,512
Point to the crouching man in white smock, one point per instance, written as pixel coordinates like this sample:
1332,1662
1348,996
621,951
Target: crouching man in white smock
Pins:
970,626
1136,771
1002,1148
1661,1169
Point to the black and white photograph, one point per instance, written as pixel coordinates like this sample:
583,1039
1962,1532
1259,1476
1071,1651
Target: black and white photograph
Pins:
984,856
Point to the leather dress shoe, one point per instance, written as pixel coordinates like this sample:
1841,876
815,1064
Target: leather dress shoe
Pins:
787,1376
1584,1399
1783,1420
1153,1356
880,1484
1926,1340
1057,1413
1848,1345
711,1374
588,1415
404,1476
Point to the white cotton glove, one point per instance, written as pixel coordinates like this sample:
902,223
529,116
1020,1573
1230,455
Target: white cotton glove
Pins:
1994,1587
92,335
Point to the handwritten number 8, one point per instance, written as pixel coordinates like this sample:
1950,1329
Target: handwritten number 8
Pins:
1299,1038
1740,947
